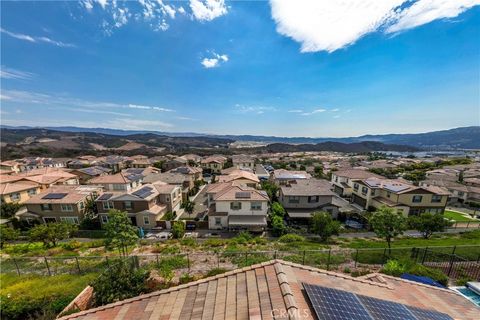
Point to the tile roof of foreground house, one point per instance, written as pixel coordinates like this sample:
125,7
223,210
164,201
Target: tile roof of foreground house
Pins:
274,289
290,174
238,174
64,194
241,193
8,188
356,174
120,177
310,187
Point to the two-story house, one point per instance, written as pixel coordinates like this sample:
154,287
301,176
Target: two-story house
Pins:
18,191
239,207
118,182
241,177
85,174
213,164
282,176
405,198
343,180
304,197
191,174
60,203
145,205
174,163
241,161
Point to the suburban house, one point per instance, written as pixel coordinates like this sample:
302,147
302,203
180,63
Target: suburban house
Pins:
45,177
282,176
191,174
85,174
304,197
240,177
118,182
213,164
174,163
60,203
18,191
145,205
172,178
403,197
116,163
238,207
343,180
10,165
458,193
241,161
140,163
192,158
278,289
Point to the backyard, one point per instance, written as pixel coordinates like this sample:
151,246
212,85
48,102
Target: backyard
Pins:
458,216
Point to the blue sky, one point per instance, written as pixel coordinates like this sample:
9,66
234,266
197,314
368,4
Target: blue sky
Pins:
285,68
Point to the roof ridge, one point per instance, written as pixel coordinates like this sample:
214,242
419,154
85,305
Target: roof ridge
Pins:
418,284
168,290
285,289
334,274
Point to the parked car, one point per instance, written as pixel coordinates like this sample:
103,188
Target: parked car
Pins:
190,235
212,235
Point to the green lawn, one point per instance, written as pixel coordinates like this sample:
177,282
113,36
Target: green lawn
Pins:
453,215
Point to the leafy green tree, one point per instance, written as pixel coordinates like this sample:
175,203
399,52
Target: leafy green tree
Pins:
318,171
178,229
277,209
271,189
169,216
51,233
428,223
188,206
120,233
387,224
7,234
8,210
120,281
323,225
278,226
158,164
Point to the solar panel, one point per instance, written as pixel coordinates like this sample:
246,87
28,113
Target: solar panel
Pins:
143,193
331,303
105,196
55,196
242,195
396,187
385,310
423,314
335,304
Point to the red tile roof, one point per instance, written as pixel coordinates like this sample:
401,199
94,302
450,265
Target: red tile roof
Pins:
271,290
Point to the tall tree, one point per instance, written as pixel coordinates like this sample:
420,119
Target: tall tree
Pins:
323,225
8,210
50,234
387,224
120,233
188,206
428,223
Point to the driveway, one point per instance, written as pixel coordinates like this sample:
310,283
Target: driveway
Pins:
200,200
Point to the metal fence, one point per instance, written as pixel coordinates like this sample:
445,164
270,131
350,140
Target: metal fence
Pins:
455,261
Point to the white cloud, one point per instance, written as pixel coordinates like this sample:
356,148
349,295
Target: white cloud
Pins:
181,10
328,25
239,108
215,61
335,110
56,100
34,39
295,111
207,10
313,112
9,73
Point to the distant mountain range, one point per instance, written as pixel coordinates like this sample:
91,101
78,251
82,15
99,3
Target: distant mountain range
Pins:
458,138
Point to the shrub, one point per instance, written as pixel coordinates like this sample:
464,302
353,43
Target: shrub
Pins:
347,270
188,242
435,274
394,268
121,281
185,277
178,229
71,245
291,237
243,237
215,271
463,281
214,243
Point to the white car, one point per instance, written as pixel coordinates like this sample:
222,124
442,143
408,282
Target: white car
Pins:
190,235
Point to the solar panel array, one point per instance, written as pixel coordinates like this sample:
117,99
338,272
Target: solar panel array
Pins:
144,192
242,195
329,303
105,196
53,196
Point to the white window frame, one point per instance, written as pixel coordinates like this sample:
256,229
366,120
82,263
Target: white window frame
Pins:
66,207
146,220
32,192
218,221
293,199
107,205
46,204
418,197
45,219
104,218
436,198
255,206
234,207
130,207
72,220
15,196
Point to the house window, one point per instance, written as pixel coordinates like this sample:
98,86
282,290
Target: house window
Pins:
293,199
67,207
373,192
72,220
336,179
15,196
460,193
356,186
46,207
128,205
436,198
256,206
82,205
235,205
313,199
50,220
417,199
119,187
32,192
108,205
388,194
146,220
364,190
218,221
104,219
